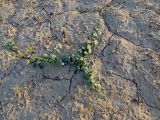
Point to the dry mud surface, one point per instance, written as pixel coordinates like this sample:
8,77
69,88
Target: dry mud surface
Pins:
126,61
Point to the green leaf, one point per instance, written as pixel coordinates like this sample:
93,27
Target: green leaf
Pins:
95,42
89,50
88,42
85,52
89,46
95,35
20,54
27,62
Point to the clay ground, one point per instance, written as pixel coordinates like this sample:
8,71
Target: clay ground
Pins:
126,61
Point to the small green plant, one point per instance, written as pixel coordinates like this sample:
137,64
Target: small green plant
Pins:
78,60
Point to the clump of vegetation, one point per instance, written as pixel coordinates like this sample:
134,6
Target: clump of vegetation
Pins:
79,60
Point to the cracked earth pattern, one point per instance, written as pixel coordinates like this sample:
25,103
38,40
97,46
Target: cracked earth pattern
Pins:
126,61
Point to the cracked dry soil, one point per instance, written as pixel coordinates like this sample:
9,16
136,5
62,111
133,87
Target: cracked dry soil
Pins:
126,61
